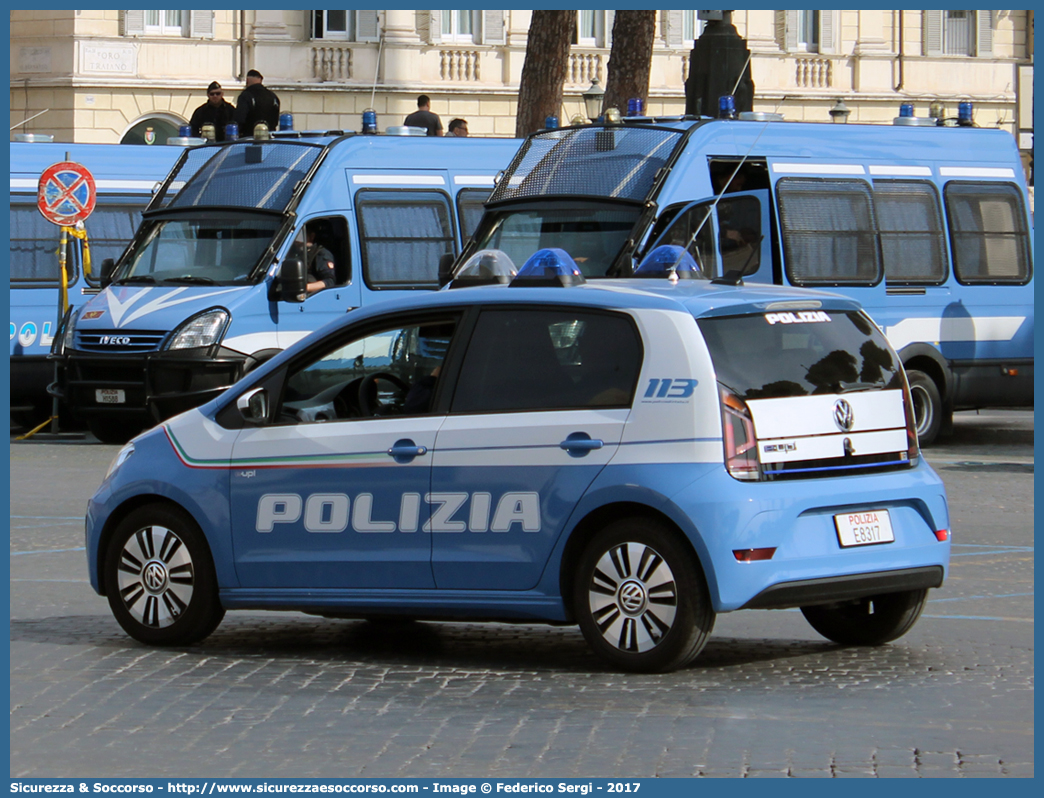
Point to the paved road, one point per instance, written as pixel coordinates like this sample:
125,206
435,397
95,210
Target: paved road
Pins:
289,695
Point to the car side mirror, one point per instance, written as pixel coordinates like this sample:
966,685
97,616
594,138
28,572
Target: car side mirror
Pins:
293,281
253,406
446,268
108,266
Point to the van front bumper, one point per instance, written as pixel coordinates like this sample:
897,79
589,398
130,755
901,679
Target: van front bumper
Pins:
155,385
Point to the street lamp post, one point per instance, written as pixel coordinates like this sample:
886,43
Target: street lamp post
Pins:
593,98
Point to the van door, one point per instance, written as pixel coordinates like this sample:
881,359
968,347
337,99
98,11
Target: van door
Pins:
736,236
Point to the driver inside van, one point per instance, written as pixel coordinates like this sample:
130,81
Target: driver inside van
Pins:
319,262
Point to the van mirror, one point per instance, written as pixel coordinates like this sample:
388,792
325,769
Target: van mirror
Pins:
446,268
253,406
293,281
108,266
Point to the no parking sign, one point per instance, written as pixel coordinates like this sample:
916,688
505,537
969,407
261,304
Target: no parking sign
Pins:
66,193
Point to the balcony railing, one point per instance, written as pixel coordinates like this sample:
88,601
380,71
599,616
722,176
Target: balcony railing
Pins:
331,63
459,66
583,68
814,73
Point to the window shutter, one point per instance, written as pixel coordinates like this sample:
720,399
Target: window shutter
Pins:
607,36
367,26
201,24
132,23
933,27
493,28
792,24
984,33
673,25
429,26
827,26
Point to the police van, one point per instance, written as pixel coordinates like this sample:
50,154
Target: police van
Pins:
926,226
633,456
125,177
216,279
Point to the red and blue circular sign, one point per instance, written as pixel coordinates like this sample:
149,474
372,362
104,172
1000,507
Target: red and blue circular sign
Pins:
66,193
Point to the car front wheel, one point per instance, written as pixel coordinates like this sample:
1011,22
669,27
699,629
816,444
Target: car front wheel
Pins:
159,577
640,598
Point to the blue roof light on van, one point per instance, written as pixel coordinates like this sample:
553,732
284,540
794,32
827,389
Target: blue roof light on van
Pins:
906,109
964,114
369,122
550,266
670,261
286,121
726,107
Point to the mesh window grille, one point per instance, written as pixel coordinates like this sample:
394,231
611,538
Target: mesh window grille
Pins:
913,246
987,233
617,162
403,238
829,234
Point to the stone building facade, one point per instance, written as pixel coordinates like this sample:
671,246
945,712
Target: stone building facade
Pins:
107,76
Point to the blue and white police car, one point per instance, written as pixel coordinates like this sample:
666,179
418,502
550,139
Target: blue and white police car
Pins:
634,456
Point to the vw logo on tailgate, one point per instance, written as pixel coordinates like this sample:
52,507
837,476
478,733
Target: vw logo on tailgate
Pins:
843,415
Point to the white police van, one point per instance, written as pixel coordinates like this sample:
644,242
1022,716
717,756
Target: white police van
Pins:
927,227
214,281
635,456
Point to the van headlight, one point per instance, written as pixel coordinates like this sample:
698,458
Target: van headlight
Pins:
121,457
206,329
64,342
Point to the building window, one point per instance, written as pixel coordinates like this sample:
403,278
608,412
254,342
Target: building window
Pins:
164,23
960,33
691,26
336,25
808,31
592,28
458,26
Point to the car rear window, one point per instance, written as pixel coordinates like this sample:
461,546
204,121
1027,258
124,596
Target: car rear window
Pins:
799,353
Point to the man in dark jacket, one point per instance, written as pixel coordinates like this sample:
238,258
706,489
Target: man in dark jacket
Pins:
216,111
256,104
423,117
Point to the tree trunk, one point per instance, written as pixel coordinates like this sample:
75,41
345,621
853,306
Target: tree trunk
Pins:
544,70
630,59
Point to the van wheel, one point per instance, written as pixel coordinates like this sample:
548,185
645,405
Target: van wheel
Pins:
159,577
927,406
869,621
108,430
640,599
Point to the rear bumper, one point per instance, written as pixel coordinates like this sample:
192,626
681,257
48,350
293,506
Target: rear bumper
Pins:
803,592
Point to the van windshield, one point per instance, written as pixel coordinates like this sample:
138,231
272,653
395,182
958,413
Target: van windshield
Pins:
208,249
592,233
799,353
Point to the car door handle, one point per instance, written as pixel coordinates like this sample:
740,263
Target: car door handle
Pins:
405,450
580,443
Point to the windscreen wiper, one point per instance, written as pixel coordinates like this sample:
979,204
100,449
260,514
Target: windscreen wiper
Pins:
189,279
136,278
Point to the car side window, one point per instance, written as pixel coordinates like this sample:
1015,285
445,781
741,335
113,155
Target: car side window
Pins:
548,359
388,372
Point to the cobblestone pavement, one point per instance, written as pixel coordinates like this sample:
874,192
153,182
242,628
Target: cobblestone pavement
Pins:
284,694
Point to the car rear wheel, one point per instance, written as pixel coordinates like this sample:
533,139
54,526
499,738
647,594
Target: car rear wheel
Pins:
927,406
640,598
159,577
869,621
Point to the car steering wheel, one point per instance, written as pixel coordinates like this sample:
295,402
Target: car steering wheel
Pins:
368,391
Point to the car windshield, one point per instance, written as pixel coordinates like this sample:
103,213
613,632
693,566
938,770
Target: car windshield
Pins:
592,233
210,249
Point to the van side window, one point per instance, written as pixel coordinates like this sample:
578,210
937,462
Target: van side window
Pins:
739,233
469,209
987,233
829,234
331,234
548,359
403,235
913,246
34,246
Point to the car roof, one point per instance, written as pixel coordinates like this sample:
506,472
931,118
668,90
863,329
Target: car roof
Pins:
699,298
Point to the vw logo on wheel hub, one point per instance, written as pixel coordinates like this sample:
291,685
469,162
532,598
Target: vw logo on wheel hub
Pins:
155,577
843,415
632,598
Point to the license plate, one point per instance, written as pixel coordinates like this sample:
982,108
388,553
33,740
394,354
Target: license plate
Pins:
110,396
865,528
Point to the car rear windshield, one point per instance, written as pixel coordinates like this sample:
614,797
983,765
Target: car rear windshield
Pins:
799,353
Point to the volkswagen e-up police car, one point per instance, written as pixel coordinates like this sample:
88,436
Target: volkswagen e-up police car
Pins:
634,456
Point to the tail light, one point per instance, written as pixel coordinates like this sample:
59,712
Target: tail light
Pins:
741,446
913,449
